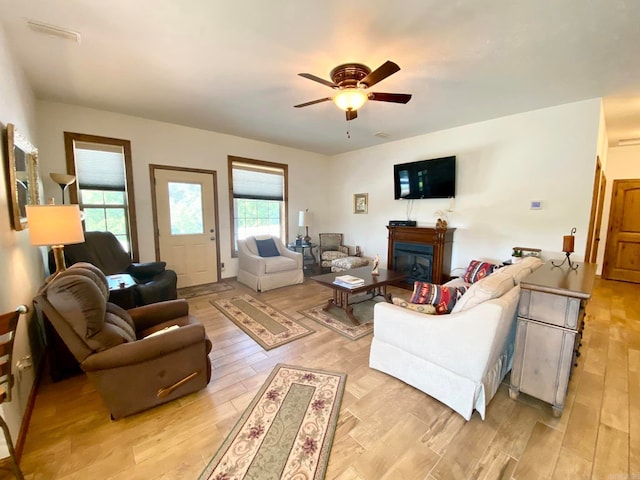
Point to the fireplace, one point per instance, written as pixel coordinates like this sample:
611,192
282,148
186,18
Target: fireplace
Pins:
413,260
422,253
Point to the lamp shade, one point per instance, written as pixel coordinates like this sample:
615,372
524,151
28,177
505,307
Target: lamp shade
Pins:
62,179
305,218
54,224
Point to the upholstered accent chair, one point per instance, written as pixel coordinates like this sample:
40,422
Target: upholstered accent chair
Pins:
154,283
136,358
264,263
330,247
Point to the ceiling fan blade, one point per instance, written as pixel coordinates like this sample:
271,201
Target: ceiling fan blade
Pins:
313,102
383,71
351,114
319,80
390,97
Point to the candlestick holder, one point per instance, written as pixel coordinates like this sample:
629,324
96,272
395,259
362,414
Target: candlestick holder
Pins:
568,243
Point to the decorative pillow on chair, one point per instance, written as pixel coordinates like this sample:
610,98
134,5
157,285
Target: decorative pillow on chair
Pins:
477,270
441,297
267,248
417,307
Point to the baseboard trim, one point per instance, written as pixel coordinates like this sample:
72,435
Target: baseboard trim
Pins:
24,426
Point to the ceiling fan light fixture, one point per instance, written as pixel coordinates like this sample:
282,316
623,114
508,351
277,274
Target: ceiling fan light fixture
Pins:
350,99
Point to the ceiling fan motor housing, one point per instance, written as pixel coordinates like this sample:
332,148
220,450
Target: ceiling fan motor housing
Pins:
349,74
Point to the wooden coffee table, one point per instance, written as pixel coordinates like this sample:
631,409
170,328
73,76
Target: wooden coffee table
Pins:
373,284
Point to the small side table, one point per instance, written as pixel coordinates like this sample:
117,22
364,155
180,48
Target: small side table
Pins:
309,260
122,290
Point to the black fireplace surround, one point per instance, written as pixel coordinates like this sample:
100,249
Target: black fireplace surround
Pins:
414,260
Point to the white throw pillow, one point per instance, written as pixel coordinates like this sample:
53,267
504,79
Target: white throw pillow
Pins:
488,288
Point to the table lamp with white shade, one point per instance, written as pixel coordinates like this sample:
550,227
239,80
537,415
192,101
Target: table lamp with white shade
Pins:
55,226
305,219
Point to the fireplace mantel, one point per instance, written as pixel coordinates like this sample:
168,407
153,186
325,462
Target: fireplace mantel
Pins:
440,238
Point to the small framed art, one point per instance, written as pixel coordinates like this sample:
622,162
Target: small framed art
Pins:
360,203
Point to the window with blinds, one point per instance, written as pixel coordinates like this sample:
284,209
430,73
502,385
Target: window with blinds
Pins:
258,199
102,188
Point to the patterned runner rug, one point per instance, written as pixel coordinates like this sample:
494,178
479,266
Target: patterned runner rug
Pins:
206,289
336,318
286,431
266,325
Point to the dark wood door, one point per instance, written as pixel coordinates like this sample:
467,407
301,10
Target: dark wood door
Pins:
622,253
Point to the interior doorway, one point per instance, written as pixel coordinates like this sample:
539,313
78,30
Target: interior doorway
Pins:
595,218
622,251
185,217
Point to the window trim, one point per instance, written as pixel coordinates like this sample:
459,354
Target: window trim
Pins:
260,163
69,139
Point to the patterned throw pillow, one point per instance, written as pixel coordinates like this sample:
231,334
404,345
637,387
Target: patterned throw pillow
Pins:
478,270
416,307
441,297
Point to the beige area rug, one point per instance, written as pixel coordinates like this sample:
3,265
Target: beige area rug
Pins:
336,318
200,290
286,431
266,325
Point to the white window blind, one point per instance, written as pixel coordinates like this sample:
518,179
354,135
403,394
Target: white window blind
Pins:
99,167
257,182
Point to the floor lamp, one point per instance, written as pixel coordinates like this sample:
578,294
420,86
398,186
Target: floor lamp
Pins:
64,180
55,226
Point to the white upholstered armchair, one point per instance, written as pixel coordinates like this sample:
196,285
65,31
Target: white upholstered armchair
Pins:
264,263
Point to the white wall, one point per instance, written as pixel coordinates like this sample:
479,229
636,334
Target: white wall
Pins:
503,165
622,162
162,143
22,270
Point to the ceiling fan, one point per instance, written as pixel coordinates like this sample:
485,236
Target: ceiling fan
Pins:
353,80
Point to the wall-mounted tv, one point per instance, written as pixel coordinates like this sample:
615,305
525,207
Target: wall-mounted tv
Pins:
434,178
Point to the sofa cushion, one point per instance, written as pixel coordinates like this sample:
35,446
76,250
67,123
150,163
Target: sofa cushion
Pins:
488,288
279,264
441,297
267,248
477,270
416,307
519,271
331,255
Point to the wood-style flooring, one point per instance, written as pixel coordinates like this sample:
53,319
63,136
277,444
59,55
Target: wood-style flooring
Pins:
386,429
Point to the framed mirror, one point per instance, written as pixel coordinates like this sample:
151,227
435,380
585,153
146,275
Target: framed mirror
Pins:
22,176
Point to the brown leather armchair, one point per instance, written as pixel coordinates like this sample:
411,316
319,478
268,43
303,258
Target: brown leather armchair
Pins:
131,369
154,283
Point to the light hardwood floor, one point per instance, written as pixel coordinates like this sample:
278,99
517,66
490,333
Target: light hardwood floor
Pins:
386,429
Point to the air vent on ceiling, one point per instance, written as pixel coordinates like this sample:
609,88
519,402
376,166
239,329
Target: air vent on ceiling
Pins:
629,141
54,31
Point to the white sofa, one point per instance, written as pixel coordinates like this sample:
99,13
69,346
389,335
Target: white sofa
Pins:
459,358
267,273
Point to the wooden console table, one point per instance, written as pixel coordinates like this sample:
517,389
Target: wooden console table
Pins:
440,238
550,322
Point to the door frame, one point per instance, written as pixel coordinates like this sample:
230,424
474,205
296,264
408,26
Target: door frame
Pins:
596,200
614,222
154,209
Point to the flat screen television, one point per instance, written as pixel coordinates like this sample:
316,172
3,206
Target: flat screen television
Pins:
434,178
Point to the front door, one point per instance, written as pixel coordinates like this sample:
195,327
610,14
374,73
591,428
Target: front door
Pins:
186,223
622,253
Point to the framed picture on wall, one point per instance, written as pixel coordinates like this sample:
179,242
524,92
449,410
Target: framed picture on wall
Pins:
360,203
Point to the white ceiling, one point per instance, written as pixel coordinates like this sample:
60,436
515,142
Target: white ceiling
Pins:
231,66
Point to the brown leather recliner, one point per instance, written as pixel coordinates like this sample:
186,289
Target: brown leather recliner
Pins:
154,283
130,369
